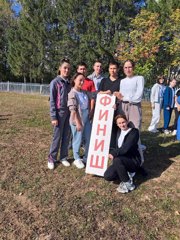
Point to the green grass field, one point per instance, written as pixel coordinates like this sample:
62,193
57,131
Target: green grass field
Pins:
39,204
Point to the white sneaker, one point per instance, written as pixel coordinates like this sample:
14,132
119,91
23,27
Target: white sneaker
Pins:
50,165
174,132
142,147
153,131
78,163
65,162
125,187
166,131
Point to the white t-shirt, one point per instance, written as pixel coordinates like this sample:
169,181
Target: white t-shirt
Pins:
122,136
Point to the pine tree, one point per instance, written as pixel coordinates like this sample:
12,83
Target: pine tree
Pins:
28,44
79,29
5,23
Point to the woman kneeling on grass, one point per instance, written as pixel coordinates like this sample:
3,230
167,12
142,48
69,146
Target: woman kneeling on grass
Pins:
126,157
79,103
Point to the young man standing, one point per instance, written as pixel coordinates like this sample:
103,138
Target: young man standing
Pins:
96,76
109,86
88,83
168,103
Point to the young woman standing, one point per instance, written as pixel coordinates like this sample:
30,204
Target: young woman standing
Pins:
59,112
157,92
79,106
131,89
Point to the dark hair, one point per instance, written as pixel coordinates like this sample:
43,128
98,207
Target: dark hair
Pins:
131,61
97,61
170,80
64,60
82,64
74,77
113,62
160,77
121,116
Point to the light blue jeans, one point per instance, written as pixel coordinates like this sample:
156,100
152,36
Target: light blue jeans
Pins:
77,136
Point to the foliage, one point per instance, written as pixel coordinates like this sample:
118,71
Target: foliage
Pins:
153,46
174,25
5,22
142,43
46,31
27,45
81,30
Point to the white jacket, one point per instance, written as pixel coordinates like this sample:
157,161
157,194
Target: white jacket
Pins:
155,93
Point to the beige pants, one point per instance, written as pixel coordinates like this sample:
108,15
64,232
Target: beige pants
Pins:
133,113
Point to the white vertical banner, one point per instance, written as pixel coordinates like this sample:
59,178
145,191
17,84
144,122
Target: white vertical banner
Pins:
97,160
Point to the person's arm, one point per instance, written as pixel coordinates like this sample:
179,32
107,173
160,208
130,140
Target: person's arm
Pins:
118,95
53,107
128,144
91,110
77,120
137,96
73,107
177,104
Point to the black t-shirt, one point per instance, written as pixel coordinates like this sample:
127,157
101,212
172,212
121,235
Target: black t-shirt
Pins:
107,84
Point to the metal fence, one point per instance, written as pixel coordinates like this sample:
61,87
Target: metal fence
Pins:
42,89
33,88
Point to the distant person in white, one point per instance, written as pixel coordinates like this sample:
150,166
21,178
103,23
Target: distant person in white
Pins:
97,76
156,103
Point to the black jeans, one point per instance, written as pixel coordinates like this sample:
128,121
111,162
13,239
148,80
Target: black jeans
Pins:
118,170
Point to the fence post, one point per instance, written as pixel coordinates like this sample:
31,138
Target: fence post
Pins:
41,89
8,86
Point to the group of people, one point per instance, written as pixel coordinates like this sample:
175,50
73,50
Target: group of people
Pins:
72,105
166,98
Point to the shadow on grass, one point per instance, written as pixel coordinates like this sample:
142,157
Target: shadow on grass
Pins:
160,154
4,117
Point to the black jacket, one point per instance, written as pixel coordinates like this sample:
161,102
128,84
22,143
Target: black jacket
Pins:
129,146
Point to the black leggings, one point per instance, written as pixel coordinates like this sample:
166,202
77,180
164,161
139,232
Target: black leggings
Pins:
118,170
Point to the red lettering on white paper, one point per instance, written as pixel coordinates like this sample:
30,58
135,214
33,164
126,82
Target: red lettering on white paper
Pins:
99,145
105,100
103,114
99,162
101,129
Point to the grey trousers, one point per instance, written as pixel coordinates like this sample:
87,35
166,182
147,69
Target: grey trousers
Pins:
60,140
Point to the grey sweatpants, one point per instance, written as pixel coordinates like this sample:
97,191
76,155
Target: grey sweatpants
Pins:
60,138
